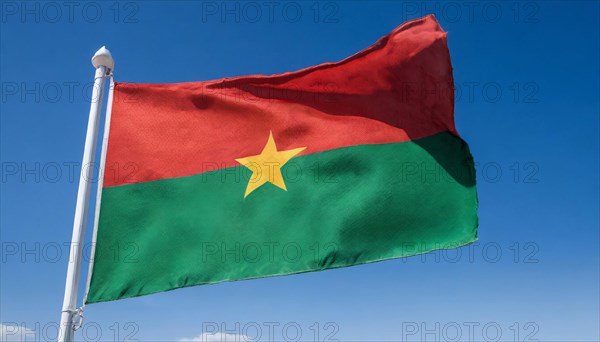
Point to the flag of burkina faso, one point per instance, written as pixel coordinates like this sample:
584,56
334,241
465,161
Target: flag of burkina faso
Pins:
335,165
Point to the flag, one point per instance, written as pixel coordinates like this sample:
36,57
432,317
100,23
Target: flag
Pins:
335,165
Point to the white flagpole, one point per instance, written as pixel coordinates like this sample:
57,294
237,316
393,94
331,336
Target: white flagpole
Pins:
104,65
107,116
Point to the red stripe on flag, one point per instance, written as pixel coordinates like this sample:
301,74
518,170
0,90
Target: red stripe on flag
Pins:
400,88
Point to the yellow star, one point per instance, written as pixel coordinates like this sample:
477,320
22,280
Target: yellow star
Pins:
266,167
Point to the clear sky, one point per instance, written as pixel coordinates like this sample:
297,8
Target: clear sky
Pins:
527,80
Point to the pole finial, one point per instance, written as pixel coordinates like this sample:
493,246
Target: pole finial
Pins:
102,57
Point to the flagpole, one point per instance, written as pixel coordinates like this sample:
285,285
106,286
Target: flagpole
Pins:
103,62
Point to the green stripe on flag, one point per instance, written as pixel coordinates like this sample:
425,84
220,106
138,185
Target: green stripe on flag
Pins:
342,207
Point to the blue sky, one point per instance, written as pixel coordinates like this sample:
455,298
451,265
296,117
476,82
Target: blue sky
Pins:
527,79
